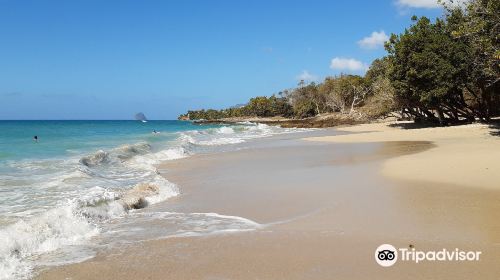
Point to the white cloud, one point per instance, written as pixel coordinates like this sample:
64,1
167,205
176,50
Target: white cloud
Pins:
428,4
375,40
307,77
349,64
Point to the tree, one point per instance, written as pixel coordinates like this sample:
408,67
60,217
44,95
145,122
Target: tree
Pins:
259,106
280,106
343,92
428,70
306,100
381,101
380,67
478,26
268,107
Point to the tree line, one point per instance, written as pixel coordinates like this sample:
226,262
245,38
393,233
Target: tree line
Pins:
446,71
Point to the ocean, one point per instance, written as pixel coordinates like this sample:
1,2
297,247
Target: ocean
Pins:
83,186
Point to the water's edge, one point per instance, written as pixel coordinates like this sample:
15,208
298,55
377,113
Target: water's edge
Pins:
76,206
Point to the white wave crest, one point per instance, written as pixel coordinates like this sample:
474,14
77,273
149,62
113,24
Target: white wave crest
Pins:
225,130
62,226
72,223
235,134
145,194
148,161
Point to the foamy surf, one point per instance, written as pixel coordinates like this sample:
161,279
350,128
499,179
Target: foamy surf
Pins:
160,225
71,224
233,135
123,179
61,208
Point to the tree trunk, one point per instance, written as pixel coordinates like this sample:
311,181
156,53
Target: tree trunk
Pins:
441,117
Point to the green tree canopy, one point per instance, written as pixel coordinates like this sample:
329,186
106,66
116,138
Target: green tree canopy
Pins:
428,69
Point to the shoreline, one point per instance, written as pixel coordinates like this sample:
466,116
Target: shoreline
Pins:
320,219
321,121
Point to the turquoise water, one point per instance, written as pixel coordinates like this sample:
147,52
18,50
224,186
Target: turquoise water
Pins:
64,138
82,184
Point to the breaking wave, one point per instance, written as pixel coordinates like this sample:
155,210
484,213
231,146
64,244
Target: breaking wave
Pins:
72,223
232,135
57,207
121,153
88,193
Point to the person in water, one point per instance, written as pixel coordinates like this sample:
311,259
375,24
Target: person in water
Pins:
35,138
155,132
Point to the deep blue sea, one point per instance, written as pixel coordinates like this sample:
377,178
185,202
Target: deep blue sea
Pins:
82,184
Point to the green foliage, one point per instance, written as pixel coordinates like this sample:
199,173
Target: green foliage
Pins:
257,107
344,91
381,101
380,67
304,108
344,94
260,106
428,63
280,107
428,69
447,71
478,26
306,100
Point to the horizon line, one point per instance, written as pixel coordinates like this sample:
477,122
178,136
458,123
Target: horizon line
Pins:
86,120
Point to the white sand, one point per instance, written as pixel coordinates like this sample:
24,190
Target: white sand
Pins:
465,155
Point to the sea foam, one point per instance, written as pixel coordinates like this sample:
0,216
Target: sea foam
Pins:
59,207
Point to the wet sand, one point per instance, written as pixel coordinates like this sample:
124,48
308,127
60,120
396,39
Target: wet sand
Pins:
324,209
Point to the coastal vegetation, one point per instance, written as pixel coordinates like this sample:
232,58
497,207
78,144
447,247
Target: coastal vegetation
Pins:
442,72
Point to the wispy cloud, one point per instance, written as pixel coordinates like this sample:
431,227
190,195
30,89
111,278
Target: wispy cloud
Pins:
348,64
307,77
428,4
375,40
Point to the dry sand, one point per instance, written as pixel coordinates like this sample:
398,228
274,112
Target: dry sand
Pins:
465,155
324,210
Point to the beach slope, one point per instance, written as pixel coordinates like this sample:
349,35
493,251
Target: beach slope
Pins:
464,155
322,209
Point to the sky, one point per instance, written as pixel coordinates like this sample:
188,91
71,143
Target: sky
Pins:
109,59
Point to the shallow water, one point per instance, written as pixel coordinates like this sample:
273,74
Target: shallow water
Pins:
76,189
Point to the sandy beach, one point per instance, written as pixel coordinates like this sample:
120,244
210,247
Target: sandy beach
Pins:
465,155
250,140
323,205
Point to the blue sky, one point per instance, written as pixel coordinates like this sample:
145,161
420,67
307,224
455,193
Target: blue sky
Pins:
97,59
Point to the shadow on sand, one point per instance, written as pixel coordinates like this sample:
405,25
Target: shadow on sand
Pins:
413,125
495,128
494,125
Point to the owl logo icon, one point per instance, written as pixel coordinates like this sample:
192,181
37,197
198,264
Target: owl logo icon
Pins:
386,255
